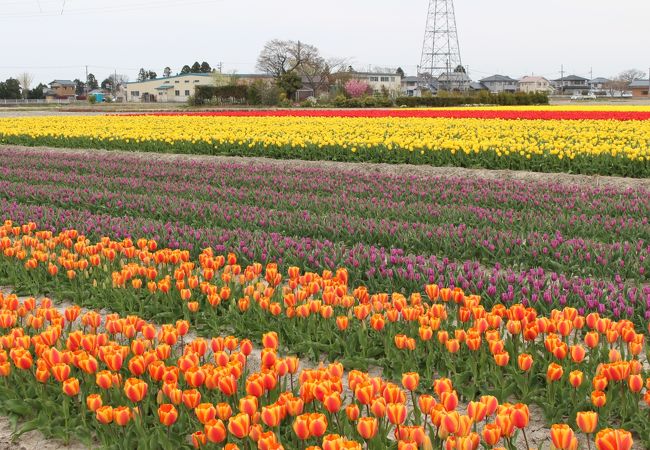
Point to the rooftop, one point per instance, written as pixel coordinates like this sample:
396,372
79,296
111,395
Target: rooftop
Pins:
572,78
63,82
180,75
495,78
640,83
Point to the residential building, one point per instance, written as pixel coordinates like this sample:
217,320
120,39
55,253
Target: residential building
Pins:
172,89
530,84
414,86
571,85
599,84
380,82
640,88
500,83
61,89
457,80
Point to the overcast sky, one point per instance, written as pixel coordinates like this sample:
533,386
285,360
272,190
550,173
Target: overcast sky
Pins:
512,37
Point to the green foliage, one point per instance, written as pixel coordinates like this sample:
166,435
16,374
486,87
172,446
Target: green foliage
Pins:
38,93
206,93
92,99
289,83
482,98
10,89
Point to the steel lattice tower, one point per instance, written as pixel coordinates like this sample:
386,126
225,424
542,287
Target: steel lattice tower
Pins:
440,50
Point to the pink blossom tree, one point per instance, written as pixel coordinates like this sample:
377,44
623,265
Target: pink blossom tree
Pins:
356,88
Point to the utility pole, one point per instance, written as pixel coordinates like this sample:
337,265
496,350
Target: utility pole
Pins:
114,82
86,83
220,66
562,79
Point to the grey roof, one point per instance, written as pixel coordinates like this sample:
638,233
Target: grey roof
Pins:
414,79
494,78
173,76
640,83
572,78
63,82
600,80
477,86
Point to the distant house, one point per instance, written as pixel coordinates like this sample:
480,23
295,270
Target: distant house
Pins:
61,90
640,88
572,85
174,89
414,86
454,81
500,83
599,84
531,84
378,82
477,86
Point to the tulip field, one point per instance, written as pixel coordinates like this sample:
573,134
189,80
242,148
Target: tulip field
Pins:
605,141
158,301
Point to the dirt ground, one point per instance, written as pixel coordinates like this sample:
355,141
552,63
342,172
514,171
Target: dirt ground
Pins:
420,171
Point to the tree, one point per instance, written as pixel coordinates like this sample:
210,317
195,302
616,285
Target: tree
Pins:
400,72
205,67
25,79
167,72
186,69
631,75
319,74
356,88
281,57
142,75
91,82
38,93
290,82
196,67
107,84
151,75
10,89
80,87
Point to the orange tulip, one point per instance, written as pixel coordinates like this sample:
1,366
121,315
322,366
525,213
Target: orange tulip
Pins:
224,411
332,402
587,421
609,439
199,440
520,415
248,405
301,426
272,415
554,372
205,412
525,362
635,382
317,424
396,413
215,431
449,400
563,437
367,427
425,403
104,414
502,359
135,389
598,399
352,411
167,414
575,378
491,434
239,425
191,398
71,387
94,402
122,415
410,380
477,411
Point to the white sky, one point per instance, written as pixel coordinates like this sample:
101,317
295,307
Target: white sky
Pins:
511,37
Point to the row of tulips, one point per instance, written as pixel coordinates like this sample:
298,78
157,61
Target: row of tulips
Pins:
121,382
564,363
606,147
450,113
533,238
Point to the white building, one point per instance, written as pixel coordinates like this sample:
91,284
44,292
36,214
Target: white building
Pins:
174,89
378,82
531,84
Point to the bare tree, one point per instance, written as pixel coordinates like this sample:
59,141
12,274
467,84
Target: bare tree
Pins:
631,75
279,57
319,74
25,79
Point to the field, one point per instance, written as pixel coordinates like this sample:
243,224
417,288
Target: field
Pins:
244,302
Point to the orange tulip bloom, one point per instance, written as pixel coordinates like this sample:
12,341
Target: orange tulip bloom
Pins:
598,399
135,389
317,424
396,413
635,382
224,411
410,380
199,440
587,421
94,402
122,415
502,359
301,427
342,322
239,425
215,431
191,398
332,402
167,414
477,411
352,411
525,361
248,405
575,378
367,427
104,414
563,437
272,415
71,387
450,422
609,439
491,403
520,415
425,403
491,434
205,412
554,372
449,400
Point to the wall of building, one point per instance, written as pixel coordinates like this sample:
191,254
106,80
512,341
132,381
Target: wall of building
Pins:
183,88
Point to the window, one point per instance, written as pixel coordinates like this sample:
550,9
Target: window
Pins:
187,81
196,81
177,81
374,78
644,92
392,78
385,79
187,92
135,93
177,93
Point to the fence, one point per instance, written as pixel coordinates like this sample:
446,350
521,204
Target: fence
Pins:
22,101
